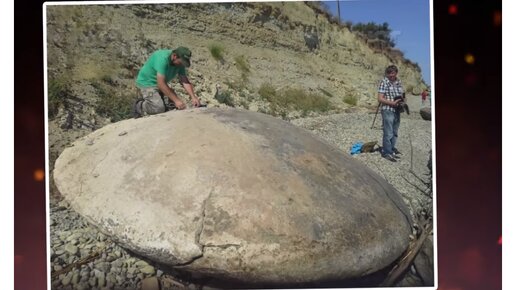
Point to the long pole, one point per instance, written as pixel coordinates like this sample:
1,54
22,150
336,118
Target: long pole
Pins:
377,109
338,8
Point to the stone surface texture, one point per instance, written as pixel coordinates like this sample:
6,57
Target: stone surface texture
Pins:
235,195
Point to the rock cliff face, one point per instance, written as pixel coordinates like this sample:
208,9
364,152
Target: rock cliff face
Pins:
95,52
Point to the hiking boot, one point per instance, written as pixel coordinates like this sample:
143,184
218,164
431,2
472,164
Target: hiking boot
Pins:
137,109
170,106
389,157
396,151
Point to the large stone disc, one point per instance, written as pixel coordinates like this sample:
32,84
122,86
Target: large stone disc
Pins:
235,195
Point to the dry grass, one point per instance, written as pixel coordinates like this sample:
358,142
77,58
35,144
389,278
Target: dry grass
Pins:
293,99
351,100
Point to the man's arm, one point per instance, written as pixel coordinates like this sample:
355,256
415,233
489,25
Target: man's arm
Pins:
190,90
167,91
383,100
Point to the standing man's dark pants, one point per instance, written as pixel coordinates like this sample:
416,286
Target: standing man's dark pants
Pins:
391,123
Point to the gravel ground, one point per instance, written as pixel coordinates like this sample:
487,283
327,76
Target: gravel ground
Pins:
101,264
408,175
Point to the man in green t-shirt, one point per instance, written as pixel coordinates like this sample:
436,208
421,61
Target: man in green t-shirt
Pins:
152,81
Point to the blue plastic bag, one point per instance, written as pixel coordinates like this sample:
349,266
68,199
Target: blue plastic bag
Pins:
356,148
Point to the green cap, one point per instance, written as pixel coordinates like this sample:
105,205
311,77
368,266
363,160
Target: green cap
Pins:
184,54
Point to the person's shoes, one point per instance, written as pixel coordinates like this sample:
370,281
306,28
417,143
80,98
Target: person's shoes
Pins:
389,157
396,151
170,106
137,109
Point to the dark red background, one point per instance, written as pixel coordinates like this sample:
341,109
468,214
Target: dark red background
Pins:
468,143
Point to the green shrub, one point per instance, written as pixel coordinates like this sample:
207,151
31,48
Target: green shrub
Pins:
225,98
372,30
267,92
217,51
351,100
242,64
57,92
293,99
110,105
328,94
305,102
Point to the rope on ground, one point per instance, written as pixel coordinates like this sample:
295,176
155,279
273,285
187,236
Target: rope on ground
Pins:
425,224
411,170
425,192
411,151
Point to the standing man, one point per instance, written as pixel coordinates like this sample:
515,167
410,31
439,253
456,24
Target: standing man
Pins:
390,95
152,81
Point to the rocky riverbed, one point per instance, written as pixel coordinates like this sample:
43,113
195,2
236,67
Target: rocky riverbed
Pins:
99,263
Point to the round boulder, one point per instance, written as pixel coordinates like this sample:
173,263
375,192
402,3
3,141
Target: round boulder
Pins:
426,113
235,195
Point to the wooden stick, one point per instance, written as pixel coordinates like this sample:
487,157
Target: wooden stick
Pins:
417,187
408,257
79,263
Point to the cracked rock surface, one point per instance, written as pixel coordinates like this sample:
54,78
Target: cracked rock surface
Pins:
234,195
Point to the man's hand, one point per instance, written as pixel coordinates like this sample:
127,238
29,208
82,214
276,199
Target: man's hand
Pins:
196,102
189,89
396,102
169,92
179,104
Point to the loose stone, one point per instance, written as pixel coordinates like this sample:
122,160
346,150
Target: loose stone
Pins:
71,249
148,270
75,277
150,283
141,264
93,281
67,279
83,286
